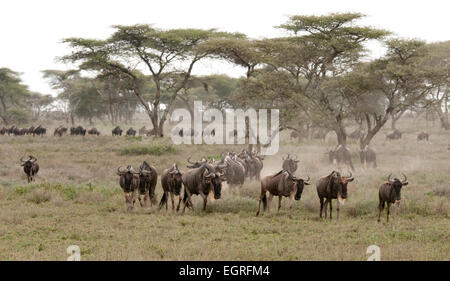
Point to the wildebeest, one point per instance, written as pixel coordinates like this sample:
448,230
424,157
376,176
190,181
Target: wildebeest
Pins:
77,131
171,182
356,134
235,171
368,155
341,155
151,132
195,164
394,135
30,167
333,186
40,131
201,181
129,182
143,131
60,131
93,131
131,132
281,184
290,164
3,131
296,135
117,131
390,193
423,136
147,183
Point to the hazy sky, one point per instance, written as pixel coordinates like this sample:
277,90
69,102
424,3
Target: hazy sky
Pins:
31,31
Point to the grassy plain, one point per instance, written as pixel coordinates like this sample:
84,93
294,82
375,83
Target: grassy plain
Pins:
76,199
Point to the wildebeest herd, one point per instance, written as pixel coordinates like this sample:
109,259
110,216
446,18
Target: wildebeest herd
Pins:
205,177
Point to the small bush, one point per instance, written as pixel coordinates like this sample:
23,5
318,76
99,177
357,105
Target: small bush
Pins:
442,191
89,197
158,150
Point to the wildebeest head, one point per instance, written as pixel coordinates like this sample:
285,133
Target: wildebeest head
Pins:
197,164
300,184
290,164
340,183
128,174
397,186
145,171
176,175
29,162
211,177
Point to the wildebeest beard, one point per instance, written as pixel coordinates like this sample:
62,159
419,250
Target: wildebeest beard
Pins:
300,185
217,184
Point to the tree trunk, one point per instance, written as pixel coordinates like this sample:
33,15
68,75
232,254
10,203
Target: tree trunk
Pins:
340,132
442,117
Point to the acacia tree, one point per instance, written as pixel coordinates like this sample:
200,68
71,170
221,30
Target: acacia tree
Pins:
64,81
297,72
13,96
389,85
437,63
168,55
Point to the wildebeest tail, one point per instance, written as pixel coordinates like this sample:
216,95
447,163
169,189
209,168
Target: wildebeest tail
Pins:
163,200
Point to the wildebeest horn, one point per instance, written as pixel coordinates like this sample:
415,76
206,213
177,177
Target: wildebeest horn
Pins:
405,181
350,175
189,160
21,160
307,179
389,177
119,171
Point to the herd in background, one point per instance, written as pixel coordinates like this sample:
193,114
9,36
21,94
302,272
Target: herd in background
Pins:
205,177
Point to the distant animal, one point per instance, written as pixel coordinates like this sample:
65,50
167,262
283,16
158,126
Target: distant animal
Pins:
77,131
143,131
129,182
117,131
423,136
151,132
93,131
390,193
171,182
131,132
341,155
333,186
281,184
60,131
356,134
296,135
30,167
40,131
234,172
368,155
3,131
394,135
148,178
201,181
290,164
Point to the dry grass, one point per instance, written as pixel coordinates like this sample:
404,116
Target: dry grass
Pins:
76,199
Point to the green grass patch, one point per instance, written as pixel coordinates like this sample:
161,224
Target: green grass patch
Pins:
157,150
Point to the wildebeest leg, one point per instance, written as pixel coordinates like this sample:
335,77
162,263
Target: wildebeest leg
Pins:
291,199
380,209
279,202
388,210
337,209
397,208
179,202
205,199
173,202
269,200
326,208
321,206
187,201
331,208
